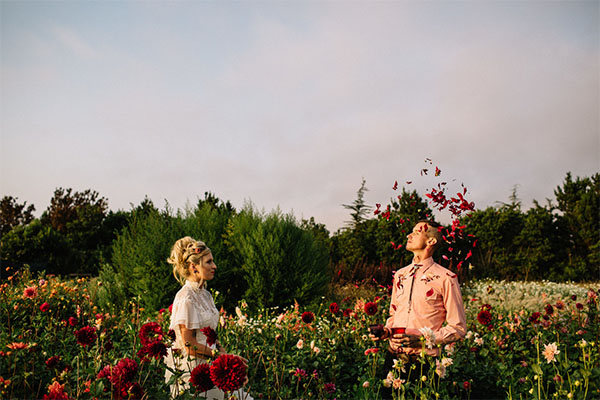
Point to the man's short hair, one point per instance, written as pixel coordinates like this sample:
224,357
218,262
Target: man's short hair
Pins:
434,231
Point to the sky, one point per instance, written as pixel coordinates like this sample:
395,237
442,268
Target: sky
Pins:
289,105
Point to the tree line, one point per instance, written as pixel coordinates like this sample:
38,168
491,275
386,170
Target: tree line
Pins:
272,258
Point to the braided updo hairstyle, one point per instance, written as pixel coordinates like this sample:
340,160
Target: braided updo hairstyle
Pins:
185,251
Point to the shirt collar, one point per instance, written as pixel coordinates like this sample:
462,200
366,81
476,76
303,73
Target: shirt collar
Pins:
194,285
422,266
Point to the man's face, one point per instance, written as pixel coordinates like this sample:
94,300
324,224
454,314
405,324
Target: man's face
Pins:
417,239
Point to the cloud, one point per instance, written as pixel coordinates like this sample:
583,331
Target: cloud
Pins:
73,42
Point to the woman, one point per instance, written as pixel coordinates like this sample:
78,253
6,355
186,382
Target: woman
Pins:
193,310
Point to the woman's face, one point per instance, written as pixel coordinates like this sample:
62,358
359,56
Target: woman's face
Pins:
205,270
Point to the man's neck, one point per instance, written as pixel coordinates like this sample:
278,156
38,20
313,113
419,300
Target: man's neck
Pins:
422,255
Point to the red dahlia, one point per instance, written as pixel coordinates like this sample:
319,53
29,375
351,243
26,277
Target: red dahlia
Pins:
334,308
155,349
44,307
371,308
308,317
484,317
52,361
123,372
150,332
86,336
211,335
200,378
228,372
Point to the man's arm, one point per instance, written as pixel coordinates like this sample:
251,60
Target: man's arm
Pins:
456,321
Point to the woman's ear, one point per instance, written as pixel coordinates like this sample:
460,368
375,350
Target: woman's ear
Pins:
431,241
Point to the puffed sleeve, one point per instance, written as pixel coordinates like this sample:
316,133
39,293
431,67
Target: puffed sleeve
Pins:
186,312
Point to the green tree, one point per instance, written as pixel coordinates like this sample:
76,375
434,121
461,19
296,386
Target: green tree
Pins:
496,230
78,216
359,208
579,203
281,261
13,214
37,245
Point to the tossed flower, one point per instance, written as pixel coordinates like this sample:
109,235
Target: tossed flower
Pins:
228,372
200,378
211,335
550,352
371,308
308,317
86,336
300,344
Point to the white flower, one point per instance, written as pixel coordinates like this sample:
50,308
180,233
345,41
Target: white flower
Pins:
440,369
238,311
366,384
550,352
429,336
449,348
446,361
300,344
312,344
479,341
316,350
397,383
583,343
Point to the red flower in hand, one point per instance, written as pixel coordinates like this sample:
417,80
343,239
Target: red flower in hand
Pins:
228,372
211,335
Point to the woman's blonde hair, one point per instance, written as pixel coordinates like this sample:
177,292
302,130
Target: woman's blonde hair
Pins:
185,251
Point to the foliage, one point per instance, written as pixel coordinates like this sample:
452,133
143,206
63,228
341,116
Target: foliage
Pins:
359,208
579,202
558,242
267,258
290,356
281,261
373,247
13,214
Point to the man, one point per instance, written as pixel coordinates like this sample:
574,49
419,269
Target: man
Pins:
424,295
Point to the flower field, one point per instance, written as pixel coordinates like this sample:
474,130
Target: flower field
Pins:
525,341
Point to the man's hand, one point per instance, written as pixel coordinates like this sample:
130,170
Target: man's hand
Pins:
386,334
410,338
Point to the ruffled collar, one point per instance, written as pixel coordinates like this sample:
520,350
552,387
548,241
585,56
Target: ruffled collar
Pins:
194,285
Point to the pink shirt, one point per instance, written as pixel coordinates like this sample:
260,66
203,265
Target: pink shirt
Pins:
427,295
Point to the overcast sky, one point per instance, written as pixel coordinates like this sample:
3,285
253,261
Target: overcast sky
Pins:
291,104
